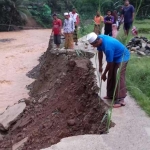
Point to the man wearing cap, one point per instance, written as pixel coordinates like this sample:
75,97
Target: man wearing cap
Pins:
117,57
68,31
74,15
57,25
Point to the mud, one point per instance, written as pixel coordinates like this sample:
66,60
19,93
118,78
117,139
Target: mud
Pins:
19,53
63,102
6,40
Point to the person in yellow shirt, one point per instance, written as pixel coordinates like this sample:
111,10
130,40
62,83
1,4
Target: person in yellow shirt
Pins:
98,19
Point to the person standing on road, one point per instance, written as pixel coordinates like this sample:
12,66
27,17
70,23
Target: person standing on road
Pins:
128,15
98,19
68,29
117,57
115,23
108,20
74,15
57,25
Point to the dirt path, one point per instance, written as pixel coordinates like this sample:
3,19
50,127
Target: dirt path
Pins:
19,53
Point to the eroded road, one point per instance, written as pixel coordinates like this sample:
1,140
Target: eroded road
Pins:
19,53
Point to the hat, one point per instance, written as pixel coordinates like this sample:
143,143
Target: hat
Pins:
91,37
66,14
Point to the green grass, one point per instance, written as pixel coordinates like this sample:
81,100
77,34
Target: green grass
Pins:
143,27
138,81
121,37
145,21
138,70
85,30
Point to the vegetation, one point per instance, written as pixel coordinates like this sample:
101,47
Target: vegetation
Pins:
12,12
16,11
143,27
85,30
138,77
41,13
138,72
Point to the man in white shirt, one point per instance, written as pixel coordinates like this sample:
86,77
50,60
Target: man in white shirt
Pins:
68,29
74,15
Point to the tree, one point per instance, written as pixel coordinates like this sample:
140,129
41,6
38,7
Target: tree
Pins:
12,12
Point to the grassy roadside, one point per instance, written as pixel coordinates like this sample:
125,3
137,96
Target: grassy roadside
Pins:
138,71
143,27
138,81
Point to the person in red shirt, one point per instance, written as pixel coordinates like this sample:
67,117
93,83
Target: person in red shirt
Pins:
57,25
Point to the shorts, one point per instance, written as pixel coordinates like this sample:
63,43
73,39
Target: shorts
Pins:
57,39
108,32
127,26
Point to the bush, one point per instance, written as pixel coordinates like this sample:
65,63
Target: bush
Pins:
42,14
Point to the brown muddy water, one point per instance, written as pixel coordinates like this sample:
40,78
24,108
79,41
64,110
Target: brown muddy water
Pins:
19,53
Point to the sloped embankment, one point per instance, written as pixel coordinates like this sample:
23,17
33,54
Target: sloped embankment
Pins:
63,102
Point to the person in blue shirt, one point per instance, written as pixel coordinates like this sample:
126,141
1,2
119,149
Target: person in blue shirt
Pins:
128,15
117,57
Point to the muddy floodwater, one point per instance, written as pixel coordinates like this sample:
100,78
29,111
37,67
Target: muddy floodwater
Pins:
19,53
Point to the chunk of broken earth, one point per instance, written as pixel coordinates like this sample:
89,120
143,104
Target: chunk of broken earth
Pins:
71,63
133,49
1,137
141,53
128,47
148,47
144,38
147,52
136,40
143,44
42,99
27,101
82,64
20,145
142,49
22,122
10,115
71,122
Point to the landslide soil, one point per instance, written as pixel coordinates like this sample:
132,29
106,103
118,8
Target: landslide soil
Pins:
63,102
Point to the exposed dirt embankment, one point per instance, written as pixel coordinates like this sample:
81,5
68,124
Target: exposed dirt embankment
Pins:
64,102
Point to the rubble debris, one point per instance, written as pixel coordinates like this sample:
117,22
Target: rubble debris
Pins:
10,115
139,45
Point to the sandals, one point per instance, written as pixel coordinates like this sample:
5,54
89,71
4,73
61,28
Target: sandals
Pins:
119,103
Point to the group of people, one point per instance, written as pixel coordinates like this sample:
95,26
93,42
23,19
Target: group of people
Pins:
111,23
70,27
117,55
112,20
